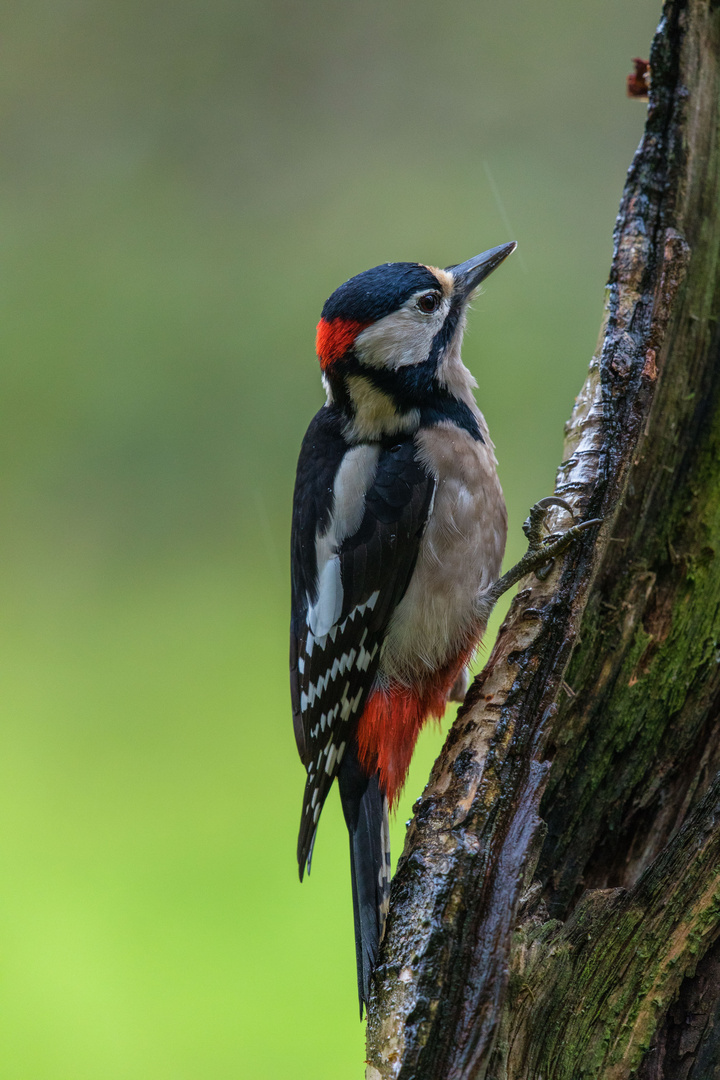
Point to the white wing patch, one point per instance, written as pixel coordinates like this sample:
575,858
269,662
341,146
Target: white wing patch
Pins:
353,479
325,612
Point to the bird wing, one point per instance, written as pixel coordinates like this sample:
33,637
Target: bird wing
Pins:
358,516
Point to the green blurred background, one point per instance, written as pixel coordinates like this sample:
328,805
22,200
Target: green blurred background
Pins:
183,185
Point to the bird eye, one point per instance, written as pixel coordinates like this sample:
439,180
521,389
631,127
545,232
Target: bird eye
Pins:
428,303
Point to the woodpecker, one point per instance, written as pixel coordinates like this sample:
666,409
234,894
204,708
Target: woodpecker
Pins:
398,534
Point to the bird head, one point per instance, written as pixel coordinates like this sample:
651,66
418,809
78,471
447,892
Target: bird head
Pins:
389,342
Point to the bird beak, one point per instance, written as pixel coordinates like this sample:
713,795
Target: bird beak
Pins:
468,275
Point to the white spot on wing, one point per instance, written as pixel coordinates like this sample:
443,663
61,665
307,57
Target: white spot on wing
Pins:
324,613
332,754
346,661
364,657
346,705
353,478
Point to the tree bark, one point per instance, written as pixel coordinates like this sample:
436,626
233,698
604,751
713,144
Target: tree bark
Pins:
556,910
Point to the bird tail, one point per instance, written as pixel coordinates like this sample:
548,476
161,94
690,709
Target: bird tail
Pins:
365,808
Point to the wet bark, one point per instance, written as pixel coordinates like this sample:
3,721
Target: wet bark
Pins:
556,911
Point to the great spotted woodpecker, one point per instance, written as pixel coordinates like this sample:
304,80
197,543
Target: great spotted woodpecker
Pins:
398,534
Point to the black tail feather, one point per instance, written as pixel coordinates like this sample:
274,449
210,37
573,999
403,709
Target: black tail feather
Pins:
366,815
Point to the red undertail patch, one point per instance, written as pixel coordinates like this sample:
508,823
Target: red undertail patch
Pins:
391,722
334,338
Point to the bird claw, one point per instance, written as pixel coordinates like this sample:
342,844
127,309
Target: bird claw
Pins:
542,551
543,572
533,524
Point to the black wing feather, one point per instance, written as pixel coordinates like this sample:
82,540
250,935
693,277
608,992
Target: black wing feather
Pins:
332,676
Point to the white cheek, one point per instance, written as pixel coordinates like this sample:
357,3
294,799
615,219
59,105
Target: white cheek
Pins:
398,340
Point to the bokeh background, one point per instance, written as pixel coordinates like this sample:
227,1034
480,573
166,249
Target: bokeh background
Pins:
182,186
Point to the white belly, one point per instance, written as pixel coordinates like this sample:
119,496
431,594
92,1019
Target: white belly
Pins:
460,554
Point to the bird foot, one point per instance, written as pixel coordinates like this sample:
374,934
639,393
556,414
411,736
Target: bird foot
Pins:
542,550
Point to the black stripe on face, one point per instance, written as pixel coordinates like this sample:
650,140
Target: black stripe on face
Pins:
412,387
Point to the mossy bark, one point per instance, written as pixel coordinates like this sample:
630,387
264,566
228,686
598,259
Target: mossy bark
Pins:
557,905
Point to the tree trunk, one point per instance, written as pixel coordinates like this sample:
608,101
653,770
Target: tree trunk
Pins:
556,911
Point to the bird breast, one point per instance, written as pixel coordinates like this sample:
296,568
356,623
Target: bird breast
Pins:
460,554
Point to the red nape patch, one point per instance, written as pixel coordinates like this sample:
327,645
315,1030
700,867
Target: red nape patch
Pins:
334,338
391,722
